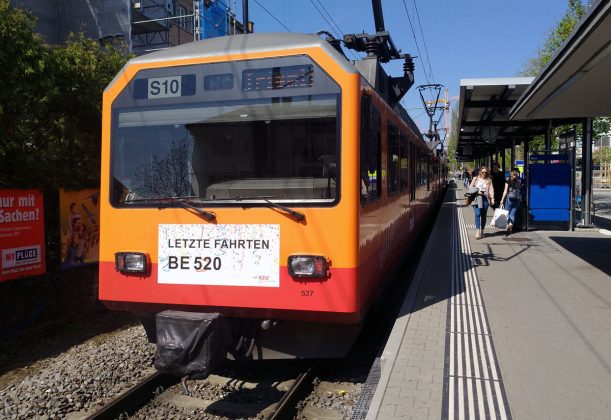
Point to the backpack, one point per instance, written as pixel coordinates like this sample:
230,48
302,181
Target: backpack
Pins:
515,191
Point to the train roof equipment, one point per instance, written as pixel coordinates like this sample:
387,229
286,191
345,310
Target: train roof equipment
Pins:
380,48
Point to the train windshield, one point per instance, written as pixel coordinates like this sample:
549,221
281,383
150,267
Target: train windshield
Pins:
279,149
227,133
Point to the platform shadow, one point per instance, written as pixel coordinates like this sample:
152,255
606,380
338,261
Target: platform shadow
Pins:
594,251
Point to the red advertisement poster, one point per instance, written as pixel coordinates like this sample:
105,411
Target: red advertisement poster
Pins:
22,234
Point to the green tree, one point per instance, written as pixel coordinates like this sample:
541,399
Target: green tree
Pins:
50,105
79,72
453,143
453,138
555,37
50,111
22,72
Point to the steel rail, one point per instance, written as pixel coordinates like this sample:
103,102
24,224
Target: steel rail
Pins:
135,397
286,407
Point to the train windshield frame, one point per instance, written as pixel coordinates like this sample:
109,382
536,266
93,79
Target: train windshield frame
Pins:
228,142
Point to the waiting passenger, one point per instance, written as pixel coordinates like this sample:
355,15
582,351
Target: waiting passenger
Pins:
512,197
484,199
466,178
498,182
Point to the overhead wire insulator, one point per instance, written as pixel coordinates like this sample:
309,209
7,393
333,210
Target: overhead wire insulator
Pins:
408,64
373,47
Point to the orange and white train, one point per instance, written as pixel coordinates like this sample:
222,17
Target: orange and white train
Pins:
260,178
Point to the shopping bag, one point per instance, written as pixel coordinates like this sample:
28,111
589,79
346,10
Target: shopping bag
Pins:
499,219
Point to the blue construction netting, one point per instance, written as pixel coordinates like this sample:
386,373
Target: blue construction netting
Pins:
215,19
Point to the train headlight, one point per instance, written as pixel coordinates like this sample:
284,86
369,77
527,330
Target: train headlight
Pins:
307,266
130,262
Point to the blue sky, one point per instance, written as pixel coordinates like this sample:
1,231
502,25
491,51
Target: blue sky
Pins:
464,38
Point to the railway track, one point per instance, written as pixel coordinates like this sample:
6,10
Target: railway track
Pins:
159,392
135,397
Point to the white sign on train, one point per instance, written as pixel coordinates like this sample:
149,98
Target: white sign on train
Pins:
219,255
164,87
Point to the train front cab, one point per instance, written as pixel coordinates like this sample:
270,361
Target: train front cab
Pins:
236,136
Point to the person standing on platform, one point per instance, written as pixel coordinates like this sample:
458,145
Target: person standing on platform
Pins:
512,197
466,177
498,182
485,198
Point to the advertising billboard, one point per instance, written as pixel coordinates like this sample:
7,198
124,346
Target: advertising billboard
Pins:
22,234
80,231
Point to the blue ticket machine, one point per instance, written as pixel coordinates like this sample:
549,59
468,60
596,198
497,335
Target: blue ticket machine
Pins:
549,189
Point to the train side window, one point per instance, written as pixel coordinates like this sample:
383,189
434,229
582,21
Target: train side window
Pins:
393,159
403,159
420,180
412,172
371,151
422,166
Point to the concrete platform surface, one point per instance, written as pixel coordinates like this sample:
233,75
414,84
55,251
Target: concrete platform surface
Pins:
507,326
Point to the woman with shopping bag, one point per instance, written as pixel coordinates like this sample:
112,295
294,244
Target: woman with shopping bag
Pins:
512,197
485,197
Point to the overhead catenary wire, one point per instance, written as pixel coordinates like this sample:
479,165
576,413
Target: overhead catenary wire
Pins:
331,17
409,19
274,17
339,32
426,51
426,75
326,20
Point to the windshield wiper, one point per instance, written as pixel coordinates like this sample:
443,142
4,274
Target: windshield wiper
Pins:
296,214
208,215
182,201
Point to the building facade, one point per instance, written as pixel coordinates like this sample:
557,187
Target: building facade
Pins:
144,25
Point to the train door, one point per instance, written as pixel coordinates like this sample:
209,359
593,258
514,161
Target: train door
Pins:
404,166
371,151
412,171
393,150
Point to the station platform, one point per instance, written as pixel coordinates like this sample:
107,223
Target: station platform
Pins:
507,326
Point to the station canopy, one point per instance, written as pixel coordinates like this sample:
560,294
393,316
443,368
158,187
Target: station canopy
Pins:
483,117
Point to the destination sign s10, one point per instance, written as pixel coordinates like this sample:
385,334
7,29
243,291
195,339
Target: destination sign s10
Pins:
165,87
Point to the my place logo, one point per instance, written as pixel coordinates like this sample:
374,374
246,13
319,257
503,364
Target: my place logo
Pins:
15,257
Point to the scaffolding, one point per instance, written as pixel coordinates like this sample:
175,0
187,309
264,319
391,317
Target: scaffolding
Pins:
144,25
151,22
158,24
97,19
216,19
